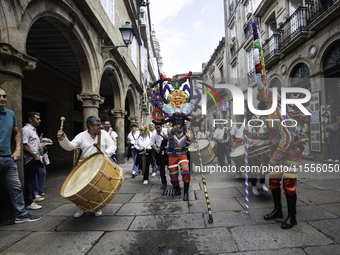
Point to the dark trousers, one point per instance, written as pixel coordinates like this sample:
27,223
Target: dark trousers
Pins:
162,160
254,179
334,146
145,167
31,169
223,149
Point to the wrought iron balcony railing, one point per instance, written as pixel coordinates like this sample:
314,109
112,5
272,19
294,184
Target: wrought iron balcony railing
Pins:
271,46
295,24
316,7
251,77
248,30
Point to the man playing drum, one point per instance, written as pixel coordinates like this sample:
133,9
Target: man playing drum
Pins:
87,141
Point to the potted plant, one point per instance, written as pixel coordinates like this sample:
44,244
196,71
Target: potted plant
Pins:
286,16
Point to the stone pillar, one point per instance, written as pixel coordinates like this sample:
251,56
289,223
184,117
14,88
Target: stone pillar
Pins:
120,129
12,65
90,105
134,120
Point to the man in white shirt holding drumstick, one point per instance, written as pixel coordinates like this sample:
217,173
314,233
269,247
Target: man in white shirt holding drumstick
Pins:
87,141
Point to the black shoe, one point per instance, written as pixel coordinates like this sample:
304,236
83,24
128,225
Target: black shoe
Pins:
177,190
289,222
133,176
185,197
275,214
164,186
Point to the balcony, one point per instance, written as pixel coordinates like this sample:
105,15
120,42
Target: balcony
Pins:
271,50
320,13
248,30
251,77
293,31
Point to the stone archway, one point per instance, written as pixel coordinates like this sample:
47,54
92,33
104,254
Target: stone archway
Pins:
276,83
300,76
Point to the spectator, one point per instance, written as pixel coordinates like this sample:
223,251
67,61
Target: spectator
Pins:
202,134
8,168
131,139
113,135
333,129
152,131
33,158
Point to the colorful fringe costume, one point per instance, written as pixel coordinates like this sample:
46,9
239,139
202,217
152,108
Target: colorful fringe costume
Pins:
287,154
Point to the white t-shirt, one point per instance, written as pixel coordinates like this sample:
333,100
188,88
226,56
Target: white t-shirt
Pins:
219,133
113,134
133,138
85,142
143,143
237,132
203,135
156,139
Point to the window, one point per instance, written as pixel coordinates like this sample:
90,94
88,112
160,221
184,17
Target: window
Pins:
232,31
109,6
235,74
251,64
248,8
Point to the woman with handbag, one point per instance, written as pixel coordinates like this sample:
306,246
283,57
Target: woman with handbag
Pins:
131,140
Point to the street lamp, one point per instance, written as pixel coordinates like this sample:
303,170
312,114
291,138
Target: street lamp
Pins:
128,34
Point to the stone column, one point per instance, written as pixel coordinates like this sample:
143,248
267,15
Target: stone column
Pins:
12,65
120,129
90,105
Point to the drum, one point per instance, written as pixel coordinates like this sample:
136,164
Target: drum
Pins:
213,145
207,153
93,183
257,155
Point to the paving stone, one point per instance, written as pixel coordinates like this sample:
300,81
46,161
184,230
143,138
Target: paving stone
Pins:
46,223
329,249
218,193
271,236
91,223
223,185
217,205
122,198
241,218
153,208
312,212
168,222
70,209
46,208
8,238
330,228
138,188
156,188
155,197
319,197
326,184
55,243
333,208
196,241
271,252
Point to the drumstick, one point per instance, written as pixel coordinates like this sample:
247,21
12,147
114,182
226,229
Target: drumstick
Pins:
62,119
95,145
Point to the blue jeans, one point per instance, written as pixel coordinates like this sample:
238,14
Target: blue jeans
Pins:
134,156
10,179
154,166
39,182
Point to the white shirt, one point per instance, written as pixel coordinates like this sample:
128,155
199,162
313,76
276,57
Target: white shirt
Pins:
237,132
85,142
133,138
143,143
219,133
113,134
153,132
31,138
156,139
202,135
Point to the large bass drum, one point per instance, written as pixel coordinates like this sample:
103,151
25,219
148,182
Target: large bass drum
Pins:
93,183
207,153
257,155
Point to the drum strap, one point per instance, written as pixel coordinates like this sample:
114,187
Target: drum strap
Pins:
98,141
78,157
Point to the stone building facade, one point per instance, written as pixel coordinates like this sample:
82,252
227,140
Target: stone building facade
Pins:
55,60
301,42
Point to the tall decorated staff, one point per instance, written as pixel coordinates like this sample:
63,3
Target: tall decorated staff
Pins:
172,102
285,161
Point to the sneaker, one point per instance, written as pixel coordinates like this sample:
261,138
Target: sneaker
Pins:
27,218
33,206
38,199
78,214
133,174
153,174
98,214
330,159
37,196
264,188
42,194
145,182
255,191
336,160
